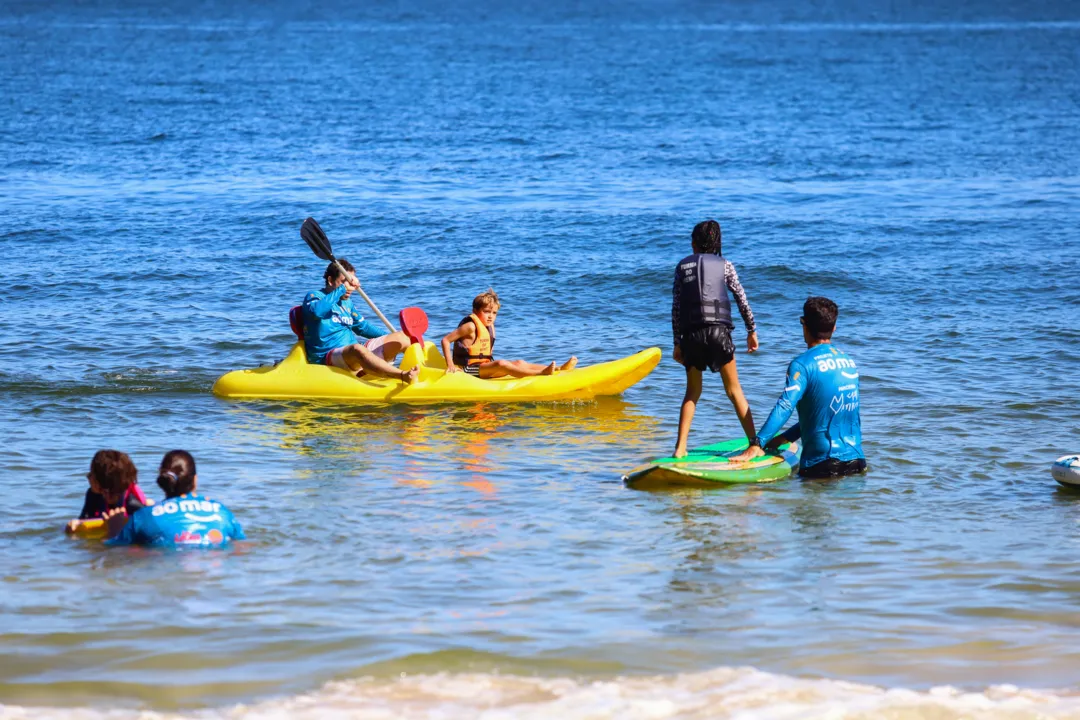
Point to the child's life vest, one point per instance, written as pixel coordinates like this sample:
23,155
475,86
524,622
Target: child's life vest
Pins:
703,298
482,345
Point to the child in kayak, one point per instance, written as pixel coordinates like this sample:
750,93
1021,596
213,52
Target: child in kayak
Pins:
183,518
474,340
701,324
113,484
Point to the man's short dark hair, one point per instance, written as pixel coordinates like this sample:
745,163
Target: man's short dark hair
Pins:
819,314
332,273
706,237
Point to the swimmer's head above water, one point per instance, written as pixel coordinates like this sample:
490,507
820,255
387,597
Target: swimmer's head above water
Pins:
177,474
111,474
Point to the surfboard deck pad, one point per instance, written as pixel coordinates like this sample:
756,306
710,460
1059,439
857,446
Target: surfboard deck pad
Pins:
709,466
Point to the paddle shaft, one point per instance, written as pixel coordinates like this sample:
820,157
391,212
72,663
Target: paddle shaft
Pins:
363,294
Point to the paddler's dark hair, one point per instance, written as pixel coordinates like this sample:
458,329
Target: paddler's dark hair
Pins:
706,237
177,474
113,471
332,272
819,314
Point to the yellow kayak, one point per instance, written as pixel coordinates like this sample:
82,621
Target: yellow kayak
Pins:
294,377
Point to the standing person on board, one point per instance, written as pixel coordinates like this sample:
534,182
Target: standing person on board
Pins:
182,518
701,324
331,326
823,384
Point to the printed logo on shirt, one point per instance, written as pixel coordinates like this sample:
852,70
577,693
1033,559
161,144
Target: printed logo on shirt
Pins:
845,401
824,364
171,507
190,537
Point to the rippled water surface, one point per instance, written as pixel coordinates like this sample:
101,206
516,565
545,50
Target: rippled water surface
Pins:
918,165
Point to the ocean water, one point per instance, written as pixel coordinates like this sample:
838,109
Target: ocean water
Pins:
917,163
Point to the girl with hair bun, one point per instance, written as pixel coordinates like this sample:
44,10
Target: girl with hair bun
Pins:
183,518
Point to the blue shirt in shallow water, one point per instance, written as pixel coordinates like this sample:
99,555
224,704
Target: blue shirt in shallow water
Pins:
823,384
181,521
330,321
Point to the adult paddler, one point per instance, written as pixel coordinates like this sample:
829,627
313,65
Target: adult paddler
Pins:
331,327
823,383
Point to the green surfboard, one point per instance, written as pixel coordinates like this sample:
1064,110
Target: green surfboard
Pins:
709,466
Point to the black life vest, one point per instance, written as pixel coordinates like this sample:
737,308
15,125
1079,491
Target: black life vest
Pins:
482,345
703,296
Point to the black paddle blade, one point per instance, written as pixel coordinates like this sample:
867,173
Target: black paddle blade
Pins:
316,239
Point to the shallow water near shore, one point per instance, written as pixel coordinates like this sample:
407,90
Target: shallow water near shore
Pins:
919,166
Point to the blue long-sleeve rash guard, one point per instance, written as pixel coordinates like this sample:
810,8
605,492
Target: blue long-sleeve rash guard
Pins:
823,384
186,520
331,321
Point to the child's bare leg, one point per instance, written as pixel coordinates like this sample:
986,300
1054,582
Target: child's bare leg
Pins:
515,368
689,404
730,375
569,364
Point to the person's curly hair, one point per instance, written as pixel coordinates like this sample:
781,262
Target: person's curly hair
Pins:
114,471
819,314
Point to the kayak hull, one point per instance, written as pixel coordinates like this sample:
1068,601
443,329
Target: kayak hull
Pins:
709,466
294,377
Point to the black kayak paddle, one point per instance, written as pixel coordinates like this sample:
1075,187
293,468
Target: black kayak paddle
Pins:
320,245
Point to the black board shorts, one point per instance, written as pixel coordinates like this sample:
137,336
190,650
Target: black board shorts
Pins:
833,468
710,347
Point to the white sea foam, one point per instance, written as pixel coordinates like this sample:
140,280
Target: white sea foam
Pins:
730,693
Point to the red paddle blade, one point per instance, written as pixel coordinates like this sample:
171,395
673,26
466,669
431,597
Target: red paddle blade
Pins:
414,323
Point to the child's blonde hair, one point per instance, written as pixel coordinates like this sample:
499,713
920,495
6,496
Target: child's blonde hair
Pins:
485,301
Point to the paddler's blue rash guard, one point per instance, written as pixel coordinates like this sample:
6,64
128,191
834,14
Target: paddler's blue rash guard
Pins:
186,520
330,322
823,383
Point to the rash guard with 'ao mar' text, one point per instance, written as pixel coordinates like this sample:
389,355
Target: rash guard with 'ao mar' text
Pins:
823,384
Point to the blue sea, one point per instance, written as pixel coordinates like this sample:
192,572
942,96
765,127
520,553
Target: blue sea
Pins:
918,163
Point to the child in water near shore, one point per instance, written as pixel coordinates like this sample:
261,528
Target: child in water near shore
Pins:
701,324
474,340
113,484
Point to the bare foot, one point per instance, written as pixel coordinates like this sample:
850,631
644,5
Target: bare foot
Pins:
549,370
410,377
569,364
680,452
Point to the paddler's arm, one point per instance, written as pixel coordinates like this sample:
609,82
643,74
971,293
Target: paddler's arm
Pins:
323,307
367,330
781,412
462,332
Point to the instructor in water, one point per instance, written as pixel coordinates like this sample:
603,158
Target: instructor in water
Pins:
823,384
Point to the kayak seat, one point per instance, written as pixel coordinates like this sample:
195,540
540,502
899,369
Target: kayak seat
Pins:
296,322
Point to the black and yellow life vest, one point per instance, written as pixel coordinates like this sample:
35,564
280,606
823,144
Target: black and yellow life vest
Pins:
482,345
